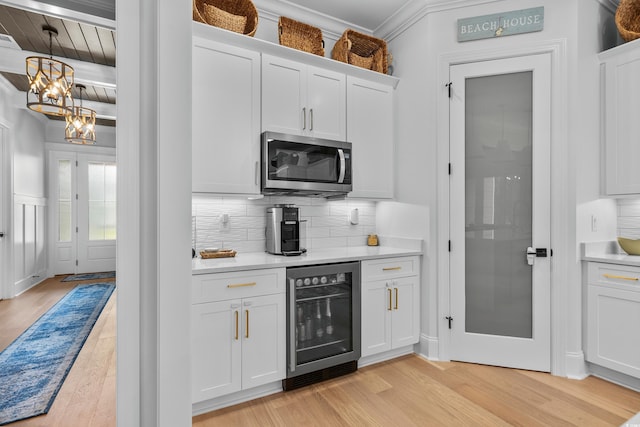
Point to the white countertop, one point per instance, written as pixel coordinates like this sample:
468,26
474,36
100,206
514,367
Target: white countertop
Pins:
607,252
256,260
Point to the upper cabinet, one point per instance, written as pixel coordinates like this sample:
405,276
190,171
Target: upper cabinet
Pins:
226,118
243,86
621,106
302,99
370,130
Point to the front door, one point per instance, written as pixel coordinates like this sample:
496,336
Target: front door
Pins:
84,223
500,212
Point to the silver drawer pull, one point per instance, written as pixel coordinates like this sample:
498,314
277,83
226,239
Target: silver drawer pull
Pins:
241,285
613,276
391,268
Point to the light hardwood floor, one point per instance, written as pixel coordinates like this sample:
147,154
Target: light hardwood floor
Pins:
407,391
87,397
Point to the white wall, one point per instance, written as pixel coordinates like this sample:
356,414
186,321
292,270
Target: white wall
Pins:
418,53
25,242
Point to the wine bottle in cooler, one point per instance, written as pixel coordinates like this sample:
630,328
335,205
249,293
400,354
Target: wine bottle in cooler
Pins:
327,318
319,327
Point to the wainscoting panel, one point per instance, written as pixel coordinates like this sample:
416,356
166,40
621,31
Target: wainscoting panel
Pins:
29,223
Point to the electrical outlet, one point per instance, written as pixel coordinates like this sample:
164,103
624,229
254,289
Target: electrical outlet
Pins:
225,224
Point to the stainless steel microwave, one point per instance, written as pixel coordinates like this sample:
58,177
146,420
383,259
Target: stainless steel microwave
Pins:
305,166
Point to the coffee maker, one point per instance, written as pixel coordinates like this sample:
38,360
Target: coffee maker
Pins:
283,230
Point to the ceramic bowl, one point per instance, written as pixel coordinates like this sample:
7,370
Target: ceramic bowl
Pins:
630,246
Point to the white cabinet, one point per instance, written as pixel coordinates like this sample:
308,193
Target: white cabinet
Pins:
302,99
613,316
238,332
370,130
390,304
621,68
226,118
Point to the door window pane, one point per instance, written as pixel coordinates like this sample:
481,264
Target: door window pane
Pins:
498,204
102,201
64,200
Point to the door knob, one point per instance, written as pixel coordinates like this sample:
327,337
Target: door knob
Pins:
1,234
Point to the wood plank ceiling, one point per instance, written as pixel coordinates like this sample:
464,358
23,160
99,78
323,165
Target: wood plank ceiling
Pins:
75,40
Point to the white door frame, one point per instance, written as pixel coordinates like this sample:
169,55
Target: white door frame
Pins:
6,223
559,193
504,350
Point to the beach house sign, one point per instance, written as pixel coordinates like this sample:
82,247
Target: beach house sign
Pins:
501,24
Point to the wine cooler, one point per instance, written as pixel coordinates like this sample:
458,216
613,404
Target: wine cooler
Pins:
323,318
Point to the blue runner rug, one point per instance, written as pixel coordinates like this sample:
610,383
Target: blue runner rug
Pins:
90,276
34,366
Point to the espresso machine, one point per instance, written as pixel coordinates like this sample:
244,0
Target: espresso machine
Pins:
283,230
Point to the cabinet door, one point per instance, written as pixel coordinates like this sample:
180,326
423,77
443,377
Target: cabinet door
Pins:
263,340
612,328
215,349
326,103
377,303
284,96
405,316
370,130
622,127
226,119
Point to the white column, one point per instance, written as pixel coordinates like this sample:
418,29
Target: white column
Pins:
154,212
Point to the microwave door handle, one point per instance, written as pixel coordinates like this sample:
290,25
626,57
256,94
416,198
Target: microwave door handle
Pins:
342,166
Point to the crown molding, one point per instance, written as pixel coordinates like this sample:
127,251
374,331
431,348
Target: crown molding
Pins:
331,27
610,5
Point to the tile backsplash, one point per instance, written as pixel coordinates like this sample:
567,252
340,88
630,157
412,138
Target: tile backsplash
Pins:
327,223
629,218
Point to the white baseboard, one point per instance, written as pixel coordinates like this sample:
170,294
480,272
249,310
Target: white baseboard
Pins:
235,398
428,347
21,286
614,377
387,355
576,366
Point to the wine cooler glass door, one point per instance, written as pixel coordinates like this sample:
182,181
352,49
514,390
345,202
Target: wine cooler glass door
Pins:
323,315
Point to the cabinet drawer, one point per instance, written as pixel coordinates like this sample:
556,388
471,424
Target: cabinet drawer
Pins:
624,276
224,286
380,269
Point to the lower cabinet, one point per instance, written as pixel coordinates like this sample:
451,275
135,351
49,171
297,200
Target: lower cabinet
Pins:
390,304
613,316
239,343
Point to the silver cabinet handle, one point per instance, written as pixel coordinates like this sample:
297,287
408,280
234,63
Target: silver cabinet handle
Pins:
304,118
311,114
257,173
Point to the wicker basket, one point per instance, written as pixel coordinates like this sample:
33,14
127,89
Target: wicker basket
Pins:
240,16
628,19
300,36
361,50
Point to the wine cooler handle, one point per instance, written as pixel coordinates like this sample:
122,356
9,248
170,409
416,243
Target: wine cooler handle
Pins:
292,325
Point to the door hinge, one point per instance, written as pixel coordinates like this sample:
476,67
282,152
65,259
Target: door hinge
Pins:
76,229
76,163
450,169
76,196
450,319
449,245
77,265
448,85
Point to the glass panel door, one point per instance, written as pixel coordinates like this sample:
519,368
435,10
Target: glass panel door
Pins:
498,195
500,211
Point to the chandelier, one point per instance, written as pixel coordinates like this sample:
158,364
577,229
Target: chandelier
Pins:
81,124
50,82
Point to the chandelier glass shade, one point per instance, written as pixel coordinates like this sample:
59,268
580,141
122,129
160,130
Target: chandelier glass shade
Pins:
50,82
81,124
